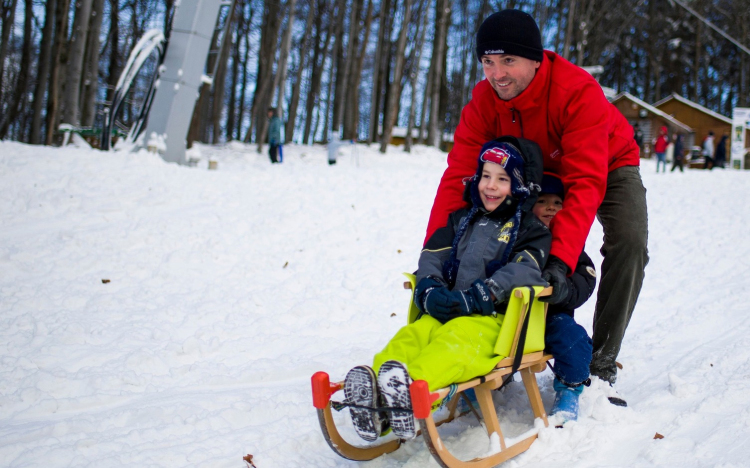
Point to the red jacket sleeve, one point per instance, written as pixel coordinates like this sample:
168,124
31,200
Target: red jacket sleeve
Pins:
583,169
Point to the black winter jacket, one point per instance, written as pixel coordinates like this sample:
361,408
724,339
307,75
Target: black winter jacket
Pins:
485,241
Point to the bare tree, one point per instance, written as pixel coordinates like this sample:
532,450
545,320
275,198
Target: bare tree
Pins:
91,66
42,70
77,48
297,87
19,95
443,11
359,48
391,109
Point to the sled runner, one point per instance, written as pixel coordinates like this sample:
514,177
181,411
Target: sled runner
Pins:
521,341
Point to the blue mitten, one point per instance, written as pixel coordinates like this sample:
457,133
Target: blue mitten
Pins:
423,288
444,304
482,298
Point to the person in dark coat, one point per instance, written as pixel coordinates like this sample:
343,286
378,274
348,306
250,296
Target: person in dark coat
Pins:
274,135
678,153
565,339
720,158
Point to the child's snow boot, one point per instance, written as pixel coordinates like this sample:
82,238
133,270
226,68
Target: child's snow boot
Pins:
565,406
361,389
394,382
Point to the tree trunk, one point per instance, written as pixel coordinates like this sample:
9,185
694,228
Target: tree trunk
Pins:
297,88
91,77
113,70
264,84
441,34
569,29
390,115
77,48
220,78
58,64
286,45
317,73
8,18
344,61
351,109
414,59
236,38
22,79
42,70
385,8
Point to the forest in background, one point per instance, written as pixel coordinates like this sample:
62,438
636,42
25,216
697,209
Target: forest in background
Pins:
362,66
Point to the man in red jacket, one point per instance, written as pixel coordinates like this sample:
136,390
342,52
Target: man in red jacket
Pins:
538,95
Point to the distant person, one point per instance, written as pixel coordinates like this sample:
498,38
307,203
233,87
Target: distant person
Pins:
720,158
274,135
679,155
333,148
708,151
638,136
660,148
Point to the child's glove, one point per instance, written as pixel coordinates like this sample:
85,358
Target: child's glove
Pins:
556,274
423,288
483,303
444,305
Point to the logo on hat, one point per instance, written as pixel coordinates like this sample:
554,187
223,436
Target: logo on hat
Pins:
496,155
494,51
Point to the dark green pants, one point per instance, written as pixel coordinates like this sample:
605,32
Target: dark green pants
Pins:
624,217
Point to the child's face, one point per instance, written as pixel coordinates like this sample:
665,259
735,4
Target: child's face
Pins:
546,207
494,186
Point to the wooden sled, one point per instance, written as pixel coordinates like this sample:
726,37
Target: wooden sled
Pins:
521,308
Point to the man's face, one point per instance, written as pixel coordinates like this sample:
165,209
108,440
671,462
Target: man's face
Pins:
509,75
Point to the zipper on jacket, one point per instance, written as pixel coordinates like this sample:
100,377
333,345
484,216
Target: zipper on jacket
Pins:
520,120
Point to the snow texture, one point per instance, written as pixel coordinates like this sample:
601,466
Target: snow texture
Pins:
161,315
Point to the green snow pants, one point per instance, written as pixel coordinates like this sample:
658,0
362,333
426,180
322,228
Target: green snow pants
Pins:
445,354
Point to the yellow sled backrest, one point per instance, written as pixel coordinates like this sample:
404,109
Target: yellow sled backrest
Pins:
510,330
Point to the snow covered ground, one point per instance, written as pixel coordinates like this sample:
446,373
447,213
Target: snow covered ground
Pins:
228,289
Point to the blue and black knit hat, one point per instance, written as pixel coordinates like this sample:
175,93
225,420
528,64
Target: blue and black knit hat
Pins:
507,156
553,185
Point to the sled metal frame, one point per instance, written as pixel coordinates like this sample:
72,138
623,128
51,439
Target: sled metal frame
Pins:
422,400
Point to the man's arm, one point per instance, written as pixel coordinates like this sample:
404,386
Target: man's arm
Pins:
583,169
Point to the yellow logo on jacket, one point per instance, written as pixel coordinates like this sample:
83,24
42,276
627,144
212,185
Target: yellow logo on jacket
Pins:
505,232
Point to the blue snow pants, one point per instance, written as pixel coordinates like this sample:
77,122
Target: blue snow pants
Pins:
571,347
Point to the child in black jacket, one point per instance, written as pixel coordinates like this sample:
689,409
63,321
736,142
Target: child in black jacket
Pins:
565,339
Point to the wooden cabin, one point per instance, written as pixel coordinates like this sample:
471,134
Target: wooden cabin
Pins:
650,119
700,118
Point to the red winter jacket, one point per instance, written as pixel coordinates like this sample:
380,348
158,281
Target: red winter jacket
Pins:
581,134
660,144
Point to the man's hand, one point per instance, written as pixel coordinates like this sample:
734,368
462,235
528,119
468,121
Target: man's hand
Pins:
555,273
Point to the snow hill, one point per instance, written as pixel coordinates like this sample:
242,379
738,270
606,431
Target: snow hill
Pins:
154,315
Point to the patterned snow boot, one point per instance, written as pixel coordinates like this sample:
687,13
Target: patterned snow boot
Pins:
394,382
565,406
361,389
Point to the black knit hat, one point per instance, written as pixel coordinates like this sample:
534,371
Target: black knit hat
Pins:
511,32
